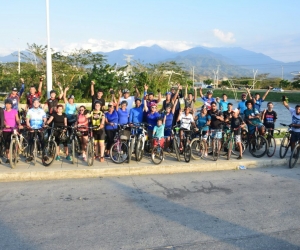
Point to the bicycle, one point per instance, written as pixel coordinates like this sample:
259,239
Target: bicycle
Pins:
231,146
295,155
157,154
271,141
49,152
141,138
35,143
90,149
286,141
174,141
119,150
198,145
186,151
258,145
75,144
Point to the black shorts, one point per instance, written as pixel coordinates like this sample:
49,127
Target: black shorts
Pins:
7,138
99,135
295,136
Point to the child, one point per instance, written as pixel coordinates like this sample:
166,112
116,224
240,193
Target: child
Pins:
158,132
236,124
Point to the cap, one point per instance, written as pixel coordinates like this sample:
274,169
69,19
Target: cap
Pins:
8,101
126,91
14,89
71,97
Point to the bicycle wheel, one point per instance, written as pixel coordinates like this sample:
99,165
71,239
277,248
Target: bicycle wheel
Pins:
90,153
187,153
13,153
139,150
271,146
129,153
215,149
34,151
258,146
230,148
294,156
284,146
198,148
157,155
176,149
119,152
49,153
73,151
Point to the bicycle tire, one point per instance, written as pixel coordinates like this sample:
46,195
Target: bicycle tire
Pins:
118,152
129,153
294,156
187,153
236,151
139,150
34,152
230,148
90,153
209,144
198,148
284,146
157,155
49,153
271,146
260,148
13,153
215,149
176,149
73,151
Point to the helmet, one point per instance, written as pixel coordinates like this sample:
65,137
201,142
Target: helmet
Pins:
209,92
8,101
126,91
124,102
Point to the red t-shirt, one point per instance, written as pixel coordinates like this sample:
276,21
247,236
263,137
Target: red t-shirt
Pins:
30,97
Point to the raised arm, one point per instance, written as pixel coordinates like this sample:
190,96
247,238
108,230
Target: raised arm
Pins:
145,105
137,93
159,96
119,100
185,94
61,93
92,88
249,93
285,104
267,92
200,92
22,87
40,85
174,106
195,93
65,95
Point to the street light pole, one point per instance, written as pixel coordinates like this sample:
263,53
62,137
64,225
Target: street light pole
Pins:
49,56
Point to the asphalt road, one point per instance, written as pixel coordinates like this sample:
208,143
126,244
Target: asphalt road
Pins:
243,209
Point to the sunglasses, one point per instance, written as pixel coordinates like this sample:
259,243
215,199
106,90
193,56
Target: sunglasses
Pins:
81,109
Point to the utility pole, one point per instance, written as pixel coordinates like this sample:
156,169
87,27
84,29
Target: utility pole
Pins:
254,81
216,76
281,72
49,56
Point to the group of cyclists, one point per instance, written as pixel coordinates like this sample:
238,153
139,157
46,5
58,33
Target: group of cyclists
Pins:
124,108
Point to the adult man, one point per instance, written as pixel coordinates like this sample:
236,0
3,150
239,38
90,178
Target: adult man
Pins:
208,99
242,105
217,117
15,95
35,119
97,98
190,99
52,102
295,113
136,113
33,94
176,95
269,117
257,100
129,99
228,114
150,98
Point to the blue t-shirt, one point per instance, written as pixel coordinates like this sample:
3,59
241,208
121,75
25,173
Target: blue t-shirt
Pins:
159,131
152,119
70,109
223,106
208,101
251,112
169,120
242,106
113,117
36,117
136,114
258,103
123,116
202,121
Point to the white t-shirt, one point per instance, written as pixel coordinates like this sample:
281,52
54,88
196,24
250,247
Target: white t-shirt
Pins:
186,120
295,119
130,100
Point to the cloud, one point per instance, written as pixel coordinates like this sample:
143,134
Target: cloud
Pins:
224,37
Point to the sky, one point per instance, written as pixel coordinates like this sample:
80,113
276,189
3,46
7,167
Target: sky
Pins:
270,27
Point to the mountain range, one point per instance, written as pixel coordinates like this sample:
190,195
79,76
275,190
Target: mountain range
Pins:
232,61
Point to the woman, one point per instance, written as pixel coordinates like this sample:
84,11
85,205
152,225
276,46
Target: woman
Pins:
123,113
59,120
203,121
111,125
168,121
152,116
70,108
11,120
82,123
98,119
168,102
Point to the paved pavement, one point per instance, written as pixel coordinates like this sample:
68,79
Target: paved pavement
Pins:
65,169
248,209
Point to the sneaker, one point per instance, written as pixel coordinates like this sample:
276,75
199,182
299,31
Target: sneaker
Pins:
68,158
29,159
106,156
57,158
101,159
168,150
84,157
240,157
7,161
